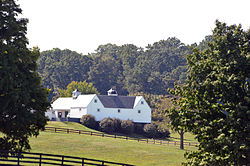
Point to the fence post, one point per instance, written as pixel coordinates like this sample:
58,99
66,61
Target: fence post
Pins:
91,133
147,140
138,139
55,130
62,159
40,160
82,162
102,162
18,158
68,131
154,141
79,131
102,135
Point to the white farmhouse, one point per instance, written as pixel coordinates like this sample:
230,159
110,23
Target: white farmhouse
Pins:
133,108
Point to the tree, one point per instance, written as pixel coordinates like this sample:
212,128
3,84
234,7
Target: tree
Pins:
83,87
105,74
58,68
215,97
23,101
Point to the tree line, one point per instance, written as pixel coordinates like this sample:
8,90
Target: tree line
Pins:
127,68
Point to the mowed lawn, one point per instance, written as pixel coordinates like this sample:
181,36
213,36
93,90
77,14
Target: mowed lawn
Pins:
109,149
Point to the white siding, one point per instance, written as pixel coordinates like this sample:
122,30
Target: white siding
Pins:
50,114
125,114
145,115
77,112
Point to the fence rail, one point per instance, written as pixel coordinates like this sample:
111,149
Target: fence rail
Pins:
20,158
150,141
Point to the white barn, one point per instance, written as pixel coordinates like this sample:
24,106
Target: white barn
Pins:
133,108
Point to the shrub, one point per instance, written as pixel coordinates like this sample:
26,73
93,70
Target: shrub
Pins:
127,126
117,124
139,128
156,131
163,132
89,121
107,125
150,130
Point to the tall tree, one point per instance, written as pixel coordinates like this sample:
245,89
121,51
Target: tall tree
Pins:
23,101
106,73
214,101
58,68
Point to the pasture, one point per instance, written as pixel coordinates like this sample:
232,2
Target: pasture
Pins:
108,149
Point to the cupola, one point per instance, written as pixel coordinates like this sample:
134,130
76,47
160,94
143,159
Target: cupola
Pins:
112,92
76,93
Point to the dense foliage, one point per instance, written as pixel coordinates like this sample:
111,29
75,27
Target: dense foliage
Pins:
126,68
83,87
89,121
58,68
127,126
23,101
107,125
214,101
154,130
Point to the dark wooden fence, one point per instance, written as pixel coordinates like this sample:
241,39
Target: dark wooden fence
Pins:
20,158
100,134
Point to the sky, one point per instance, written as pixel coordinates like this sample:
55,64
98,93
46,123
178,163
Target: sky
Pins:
83,25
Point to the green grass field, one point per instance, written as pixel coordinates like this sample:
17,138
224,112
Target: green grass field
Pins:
109,149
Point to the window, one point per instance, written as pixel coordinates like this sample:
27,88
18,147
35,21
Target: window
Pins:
98,110
142,102
119,110
139,111
95,101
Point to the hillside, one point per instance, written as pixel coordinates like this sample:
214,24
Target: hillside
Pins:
106,148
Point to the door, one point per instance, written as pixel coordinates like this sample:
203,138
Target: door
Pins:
66,114
59,114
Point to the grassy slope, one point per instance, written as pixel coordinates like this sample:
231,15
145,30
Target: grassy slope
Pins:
106,148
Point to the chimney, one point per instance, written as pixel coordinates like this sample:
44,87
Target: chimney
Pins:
112,92
76,93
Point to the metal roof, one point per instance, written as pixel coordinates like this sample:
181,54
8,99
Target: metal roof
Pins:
117,101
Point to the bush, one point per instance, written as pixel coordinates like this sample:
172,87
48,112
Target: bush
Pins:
156,131
89,121
127,126
117,124
163,132
150,130
107,125
139,128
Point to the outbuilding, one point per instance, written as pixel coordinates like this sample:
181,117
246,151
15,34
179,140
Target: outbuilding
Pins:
134,108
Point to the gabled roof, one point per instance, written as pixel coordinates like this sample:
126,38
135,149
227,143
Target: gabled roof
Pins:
138,98
117,101
65,103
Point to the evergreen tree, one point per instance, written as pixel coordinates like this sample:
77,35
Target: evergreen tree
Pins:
23,101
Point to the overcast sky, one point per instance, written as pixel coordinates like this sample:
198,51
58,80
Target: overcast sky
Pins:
83,25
